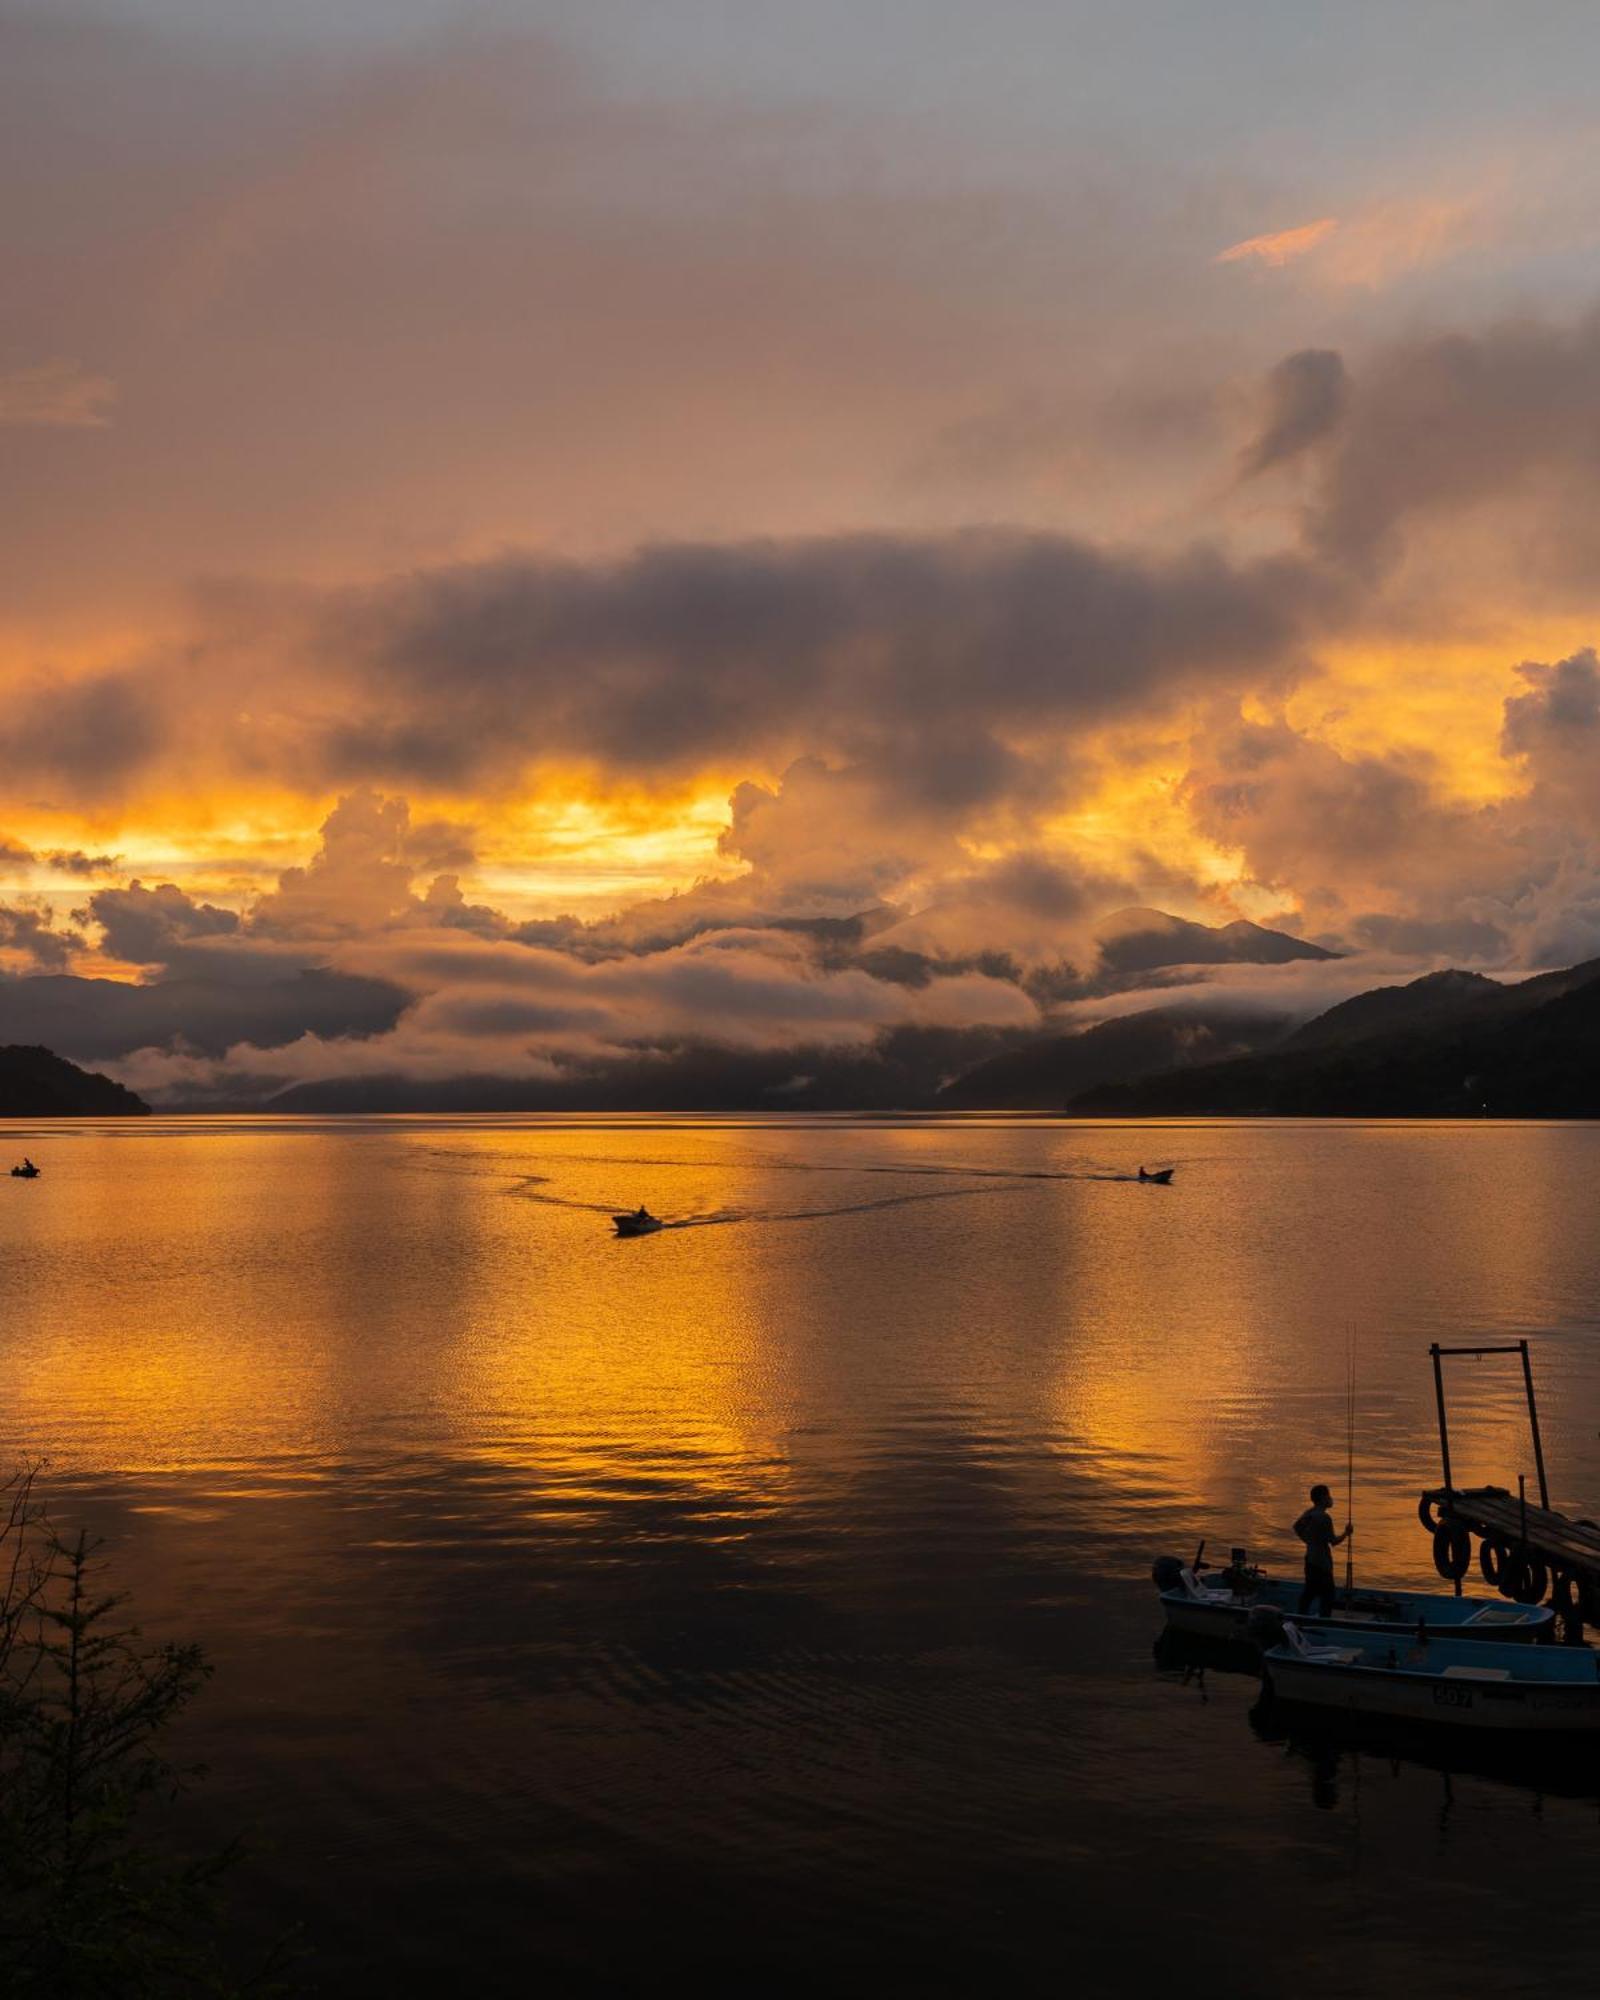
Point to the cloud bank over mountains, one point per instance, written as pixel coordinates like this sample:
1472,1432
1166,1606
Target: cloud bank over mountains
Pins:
725,570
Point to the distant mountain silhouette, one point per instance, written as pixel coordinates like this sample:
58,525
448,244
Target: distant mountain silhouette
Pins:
1049,1071
1452,1044
901,1072
34,1083
1138,940
1440,999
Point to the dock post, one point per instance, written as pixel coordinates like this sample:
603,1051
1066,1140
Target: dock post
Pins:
1533,1419
1444,1435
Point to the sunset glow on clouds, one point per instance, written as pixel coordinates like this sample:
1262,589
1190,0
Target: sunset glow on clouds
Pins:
1280,246
520,540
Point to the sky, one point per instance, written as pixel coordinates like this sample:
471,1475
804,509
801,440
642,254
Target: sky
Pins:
534,511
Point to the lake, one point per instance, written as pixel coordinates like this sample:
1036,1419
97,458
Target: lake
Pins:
766,1603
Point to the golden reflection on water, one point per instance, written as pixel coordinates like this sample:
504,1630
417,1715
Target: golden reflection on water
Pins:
288,1299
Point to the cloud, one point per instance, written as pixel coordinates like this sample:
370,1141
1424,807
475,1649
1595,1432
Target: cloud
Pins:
1559,716
31,941
1281,246
55,395
921,658
1381,857
151,926
17,856
1501,421
360,879
89,735
626,375
73,861
1306,397
194,1015
509,1011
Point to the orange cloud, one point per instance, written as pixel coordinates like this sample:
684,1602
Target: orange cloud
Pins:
1282,246
56,395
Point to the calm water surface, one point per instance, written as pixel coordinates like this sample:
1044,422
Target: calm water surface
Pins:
765,1603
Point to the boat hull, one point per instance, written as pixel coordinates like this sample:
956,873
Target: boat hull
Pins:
1462,1699
1484,1619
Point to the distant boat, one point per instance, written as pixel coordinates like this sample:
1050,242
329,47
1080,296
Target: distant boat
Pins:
638,1222
26,1172
1161,1176
1467,1685
1224,1610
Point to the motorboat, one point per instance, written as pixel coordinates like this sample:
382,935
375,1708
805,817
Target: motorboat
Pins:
1222,1609
1162,1177
26,1172
1455,1682
638,1222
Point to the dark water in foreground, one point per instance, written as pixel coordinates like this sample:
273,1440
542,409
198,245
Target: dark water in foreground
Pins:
765,1604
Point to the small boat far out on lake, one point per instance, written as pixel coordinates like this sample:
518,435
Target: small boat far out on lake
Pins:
26,1172
638,1222
1161,1177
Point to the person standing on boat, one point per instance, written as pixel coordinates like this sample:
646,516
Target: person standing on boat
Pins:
1315,1529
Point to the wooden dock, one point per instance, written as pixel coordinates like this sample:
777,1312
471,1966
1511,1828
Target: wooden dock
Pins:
1525,1551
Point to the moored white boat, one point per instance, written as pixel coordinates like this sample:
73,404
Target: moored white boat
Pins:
1221,1610
1456,1683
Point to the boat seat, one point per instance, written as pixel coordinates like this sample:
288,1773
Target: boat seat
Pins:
1299,1645
1499,1614
1477,1673
1195,1589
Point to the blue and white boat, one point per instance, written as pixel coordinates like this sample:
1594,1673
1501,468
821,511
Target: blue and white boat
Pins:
1453,1682
1220,1610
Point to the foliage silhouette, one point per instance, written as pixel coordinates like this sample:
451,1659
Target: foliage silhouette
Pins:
91,1904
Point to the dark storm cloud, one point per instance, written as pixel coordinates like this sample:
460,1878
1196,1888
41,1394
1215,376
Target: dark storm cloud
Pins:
65,861
1445,938
93,1020
1438,426
923,655
1306,396
148,926
1554,732
73,861
1561,710
86,735
34,936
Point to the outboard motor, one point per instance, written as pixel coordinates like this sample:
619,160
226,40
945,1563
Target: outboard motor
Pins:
1167,1573
1265,1626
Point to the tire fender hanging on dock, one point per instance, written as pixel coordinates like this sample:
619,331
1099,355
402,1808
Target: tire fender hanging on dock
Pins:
1429,1519
1452,1550
1529,1579
1495,1559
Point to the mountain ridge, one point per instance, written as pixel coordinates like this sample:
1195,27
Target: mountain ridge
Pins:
1528,1049
37,1083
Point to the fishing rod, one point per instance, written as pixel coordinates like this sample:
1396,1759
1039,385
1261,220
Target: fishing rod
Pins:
1349,1458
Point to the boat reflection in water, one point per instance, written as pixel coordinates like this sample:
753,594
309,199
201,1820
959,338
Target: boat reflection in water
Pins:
1333,1744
